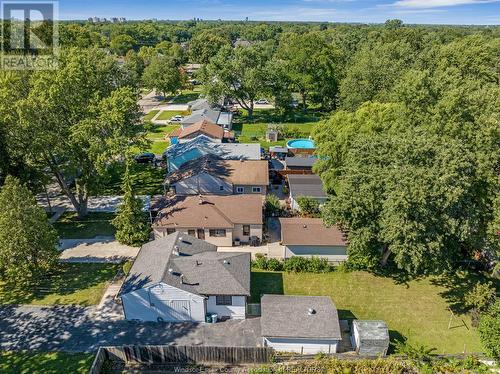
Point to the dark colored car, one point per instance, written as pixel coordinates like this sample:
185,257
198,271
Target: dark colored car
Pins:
145,158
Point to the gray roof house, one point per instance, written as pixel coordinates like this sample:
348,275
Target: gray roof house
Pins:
181,278
301,324
223,119
305,185
370,338
300,163
202,145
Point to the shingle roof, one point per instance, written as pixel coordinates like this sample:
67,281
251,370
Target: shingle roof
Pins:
306,185
210,211
204,127
372,330
236,172
198,115
310,231
300,161
289,317
199,104
204,270
203,145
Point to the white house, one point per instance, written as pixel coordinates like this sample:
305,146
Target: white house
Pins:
301,324
180,278
310,237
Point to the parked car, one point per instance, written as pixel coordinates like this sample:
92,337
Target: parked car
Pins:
176,118
145,158
262,101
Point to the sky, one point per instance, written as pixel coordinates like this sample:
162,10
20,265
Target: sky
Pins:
365,11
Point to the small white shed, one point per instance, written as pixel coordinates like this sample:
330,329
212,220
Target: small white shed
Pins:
370,338
300,324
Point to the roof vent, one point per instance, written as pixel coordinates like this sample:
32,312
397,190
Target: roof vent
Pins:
182,278
176,250
311,311
226,262
305,226
170,270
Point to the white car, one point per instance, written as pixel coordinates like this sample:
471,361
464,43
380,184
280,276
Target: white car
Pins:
262,101
176,118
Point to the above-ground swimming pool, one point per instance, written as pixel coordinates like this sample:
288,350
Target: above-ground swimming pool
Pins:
300,144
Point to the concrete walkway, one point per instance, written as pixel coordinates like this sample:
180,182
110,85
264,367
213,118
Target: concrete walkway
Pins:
104,249
74,329
108,309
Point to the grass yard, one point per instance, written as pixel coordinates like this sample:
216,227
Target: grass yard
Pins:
186,96
157,132
95,223
158,147
165,115
149,116
417,310
75,284
18,362
146,179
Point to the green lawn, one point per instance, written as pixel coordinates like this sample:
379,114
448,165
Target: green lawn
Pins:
15,362
146,179
77,284
158,147
253,130
186,96
167,114
149,116
95,223
156,132
417,310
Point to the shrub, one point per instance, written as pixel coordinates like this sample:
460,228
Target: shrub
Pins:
274,264
260,261
296,264
318,265
489,330
273,205
309,207
127,266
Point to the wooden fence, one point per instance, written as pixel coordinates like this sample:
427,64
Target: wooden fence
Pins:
168,354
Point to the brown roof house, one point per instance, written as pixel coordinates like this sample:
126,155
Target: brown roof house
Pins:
214,176
203,127
310,237
220,220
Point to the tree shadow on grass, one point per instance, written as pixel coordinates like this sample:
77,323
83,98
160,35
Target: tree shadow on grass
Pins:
457,284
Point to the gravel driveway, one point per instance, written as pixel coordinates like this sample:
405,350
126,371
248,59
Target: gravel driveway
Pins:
72,329
99,249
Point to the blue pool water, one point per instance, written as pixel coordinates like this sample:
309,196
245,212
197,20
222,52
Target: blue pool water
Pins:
301,143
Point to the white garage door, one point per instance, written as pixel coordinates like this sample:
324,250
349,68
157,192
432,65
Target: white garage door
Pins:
302,347
169,310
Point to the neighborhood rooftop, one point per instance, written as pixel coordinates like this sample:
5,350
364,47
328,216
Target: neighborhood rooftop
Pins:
299,317
211,211
204,127
310,231
306,185
237,172
371,330
300,161
203,145
190,264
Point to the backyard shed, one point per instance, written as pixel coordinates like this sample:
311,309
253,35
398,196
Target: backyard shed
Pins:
370,338
301,324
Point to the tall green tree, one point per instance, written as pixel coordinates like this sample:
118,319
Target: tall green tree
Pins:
27,240
77,119
489,330
121,44
163,75
238,73
206,45
131,221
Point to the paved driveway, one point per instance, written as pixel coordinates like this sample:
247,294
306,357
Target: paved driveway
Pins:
73,329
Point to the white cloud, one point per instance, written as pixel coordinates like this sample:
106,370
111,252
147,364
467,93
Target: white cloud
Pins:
437,3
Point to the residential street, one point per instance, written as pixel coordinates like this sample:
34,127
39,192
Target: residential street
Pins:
72,329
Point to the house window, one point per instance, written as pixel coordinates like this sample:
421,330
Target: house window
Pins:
221,188
223,300
246,230
170,231
256,189
218,233
240,189
192,232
